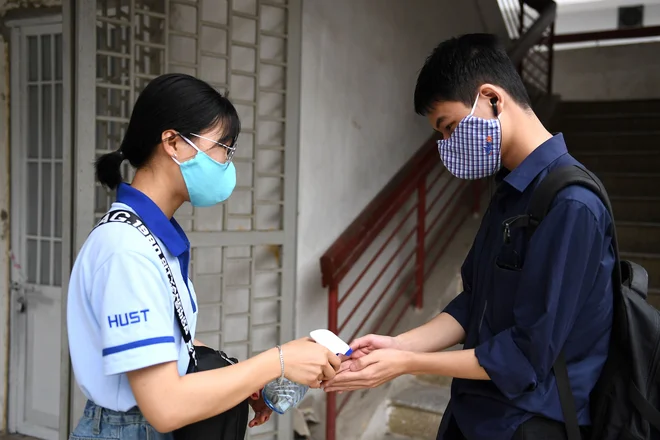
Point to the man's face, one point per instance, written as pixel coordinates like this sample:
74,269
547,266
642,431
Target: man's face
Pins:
446,115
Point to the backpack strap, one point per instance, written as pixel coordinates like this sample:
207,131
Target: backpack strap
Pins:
539,206
559,179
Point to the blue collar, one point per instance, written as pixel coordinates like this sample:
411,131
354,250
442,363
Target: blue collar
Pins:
168,231
540,159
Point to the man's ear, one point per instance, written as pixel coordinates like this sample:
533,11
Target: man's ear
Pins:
494,95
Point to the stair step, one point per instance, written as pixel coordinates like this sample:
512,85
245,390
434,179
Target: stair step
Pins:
607,121
638,237
650,262
599,107
390,436
636,209
442,381
620,161
417,411
612,140
631,184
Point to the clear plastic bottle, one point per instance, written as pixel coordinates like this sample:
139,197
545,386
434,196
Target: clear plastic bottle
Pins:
281,394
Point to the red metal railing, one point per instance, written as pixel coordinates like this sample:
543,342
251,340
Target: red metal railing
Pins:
377,268
387,253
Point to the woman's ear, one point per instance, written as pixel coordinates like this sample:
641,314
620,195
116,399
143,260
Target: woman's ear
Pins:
169,138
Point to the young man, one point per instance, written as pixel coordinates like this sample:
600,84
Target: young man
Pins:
523,302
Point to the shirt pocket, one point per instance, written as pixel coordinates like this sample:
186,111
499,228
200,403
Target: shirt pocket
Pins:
506,277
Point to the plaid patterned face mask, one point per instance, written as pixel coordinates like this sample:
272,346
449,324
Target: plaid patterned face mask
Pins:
473,150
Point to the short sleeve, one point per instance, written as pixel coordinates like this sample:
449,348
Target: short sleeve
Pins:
131,303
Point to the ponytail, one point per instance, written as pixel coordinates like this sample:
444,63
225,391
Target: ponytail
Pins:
108,169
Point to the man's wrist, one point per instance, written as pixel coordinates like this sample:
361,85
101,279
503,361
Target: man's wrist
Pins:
400,343
405,364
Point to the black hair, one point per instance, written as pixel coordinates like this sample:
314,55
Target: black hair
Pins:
459,66
172,101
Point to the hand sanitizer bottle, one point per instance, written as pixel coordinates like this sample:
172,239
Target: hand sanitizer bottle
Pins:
282,394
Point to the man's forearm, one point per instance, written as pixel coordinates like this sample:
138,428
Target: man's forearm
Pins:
438,334
462,364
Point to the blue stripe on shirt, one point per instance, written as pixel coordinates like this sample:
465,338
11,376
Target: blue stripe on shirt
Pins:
137,344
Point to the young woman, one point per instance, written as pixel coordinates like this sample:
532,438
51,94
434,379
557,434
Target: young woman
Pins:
127,349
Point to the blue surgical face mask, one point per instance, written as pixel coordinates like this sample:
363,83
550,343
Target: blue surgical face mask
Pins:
474,149
208,182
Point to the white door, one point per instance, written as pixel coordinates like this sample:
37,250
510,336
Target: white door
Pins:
37,226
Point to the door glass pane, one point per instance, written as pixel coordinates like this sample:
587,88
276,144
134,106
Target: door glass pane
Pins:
58,121
45,262
32,201
32,261
58,57
33,115
46,60
47,121
57,264
33,59
46,202
58,202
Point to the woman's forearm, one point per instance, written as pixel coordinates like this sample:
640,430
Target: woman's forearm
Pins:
169,401
438,334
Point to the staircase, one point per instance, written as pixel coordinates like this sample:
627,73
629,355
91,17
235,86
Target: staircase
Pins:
620,142
416,412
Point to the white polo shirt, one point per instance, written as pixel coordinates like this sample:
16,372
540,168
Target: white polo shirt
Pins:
120,310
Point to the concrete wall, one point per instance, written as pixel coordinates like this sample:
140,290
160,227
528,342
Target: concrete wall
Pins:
359,66
5,239
608,72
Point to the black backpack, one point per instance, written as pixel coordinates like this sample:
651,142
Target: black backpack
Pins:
626,398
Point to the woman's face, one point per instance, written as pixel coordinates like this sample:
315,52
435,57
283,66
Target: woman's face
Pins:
207,142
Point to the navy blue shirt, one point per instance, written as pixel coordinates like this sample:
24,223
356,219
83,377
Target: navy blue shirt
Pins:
523,302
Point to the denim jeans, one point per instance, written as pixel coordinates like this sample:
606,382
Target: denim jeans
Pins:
101,423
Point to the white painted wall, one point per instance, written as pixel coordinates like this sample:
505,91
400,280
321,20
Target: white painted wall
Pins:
608,72
359,66
575,16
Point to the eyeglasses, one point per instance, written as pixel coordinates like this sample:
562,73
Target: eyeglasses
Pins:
230,150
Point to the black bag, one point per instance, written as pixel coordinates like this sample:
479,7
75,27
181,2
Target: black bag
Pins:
626,398
231,424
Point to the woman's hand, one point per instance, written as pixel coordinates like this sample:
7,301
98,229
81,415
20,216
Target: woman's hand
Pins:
261,411
309,363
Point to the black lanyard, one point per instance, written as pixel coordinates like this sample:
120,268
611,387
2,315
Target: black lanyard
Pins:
130,218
